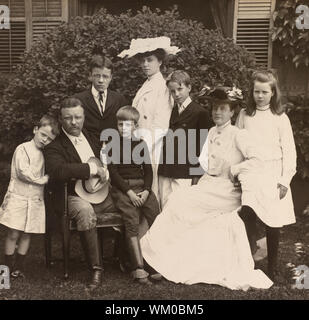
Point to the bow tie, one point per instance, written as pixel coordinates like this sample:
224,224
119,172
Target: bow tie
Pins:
78,140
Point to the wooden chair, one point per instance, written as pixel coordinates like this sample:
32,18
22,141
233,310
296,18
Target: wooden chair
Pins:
104,220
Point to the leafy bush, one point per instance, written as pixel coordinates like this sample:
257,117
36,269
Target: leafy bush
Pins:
298,111
292,44
56,66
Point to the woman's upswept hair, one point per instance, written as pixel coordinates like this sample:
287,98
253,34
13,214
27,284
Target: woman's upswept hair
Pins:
159,53
270,77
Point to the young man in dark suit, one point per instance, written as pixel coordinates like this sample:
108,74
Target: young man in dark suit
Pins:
174,168
100,103
66,158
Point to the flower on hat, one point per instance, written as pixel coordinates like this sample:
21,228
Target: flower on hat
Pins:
235,94
148,45
221,93
205,90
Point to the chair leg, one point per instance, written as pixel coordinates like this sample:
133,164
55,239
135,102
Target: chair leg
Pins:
121,251
100,242
118,246
66,246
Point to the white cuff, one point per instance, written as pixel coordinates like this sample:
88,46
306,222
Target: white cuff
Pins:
93,168
234,170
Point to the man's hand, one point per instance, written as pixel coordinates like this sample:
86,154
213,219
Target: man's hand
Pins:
282,191
102,174
135,199
143,195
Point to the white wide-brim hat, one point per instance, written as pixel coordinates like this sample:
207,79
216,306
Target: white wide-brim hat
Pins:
148,45
93,190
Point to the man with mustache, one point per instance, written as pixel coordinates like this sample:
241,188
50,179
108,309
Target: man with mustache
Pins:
67,158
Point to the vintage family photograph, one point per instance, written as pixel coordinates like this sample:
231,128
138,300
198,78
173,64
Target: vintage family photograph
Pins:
154,150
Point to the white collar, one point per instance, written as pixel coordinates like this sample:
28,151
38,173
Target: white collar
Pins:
155,76
96,93
185,103
264,108
73,139
222,127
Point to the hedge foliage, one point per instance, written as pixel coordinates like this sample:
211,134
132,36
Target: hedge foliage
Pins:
56,66
292,44
298,112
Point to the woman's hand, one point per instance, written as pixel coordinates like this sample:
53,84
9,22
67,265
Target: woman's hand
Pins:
143,195
43,180
282,191
234,179
135,199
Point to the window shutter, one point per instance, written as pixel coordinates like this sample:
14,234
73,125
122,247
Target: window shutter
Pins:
29,19
47,15
252,24
13,40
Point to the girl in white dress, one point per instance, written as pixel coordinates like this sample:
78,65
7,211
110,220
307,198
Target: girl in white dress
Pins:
23,210
152,100
267,123
199,237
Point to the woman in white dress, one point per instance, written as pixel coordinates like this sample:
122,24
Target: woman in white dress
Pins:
152,100
199,237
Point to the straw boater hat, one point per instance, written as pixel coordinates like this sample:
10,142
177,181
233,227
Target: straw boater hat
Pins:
93,190
148,45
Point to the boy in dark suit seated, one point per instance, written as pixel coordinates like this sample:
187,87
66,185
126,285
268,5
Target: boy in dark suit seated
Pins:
131,180
99,102
174,167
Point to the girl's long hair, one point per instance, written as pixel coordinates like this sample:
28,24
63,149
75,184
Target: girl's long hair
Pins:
275,101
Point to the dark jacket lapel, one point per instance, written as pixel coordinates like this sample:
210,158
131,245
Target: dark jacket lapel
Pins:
68,146
186,114
91,102
71,151
109,102
92,144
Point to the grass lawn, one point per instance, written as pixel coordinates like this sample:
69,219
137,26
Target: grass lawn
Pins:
43,283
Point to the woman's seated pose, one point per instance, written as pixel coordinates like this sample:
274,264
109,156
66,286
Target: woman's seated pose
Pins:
199,237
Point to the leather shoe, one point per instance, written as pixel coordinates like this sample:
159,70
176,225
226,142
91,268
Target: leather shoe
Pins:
96,279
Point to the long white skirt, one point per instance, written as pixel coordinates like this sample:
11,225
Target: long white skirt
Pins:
199,238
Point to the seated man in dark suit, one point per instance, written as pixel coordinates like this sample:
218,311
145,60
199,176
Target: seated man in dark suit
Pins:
100,103
67,158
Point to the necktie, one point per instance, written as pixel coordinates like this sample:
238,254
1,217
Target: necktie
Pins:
180,109
101,101
78,140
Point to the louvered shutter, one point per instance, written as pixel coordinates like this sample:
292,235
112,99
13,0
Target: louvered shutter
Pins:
47,14
252,24
13,40
29,19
